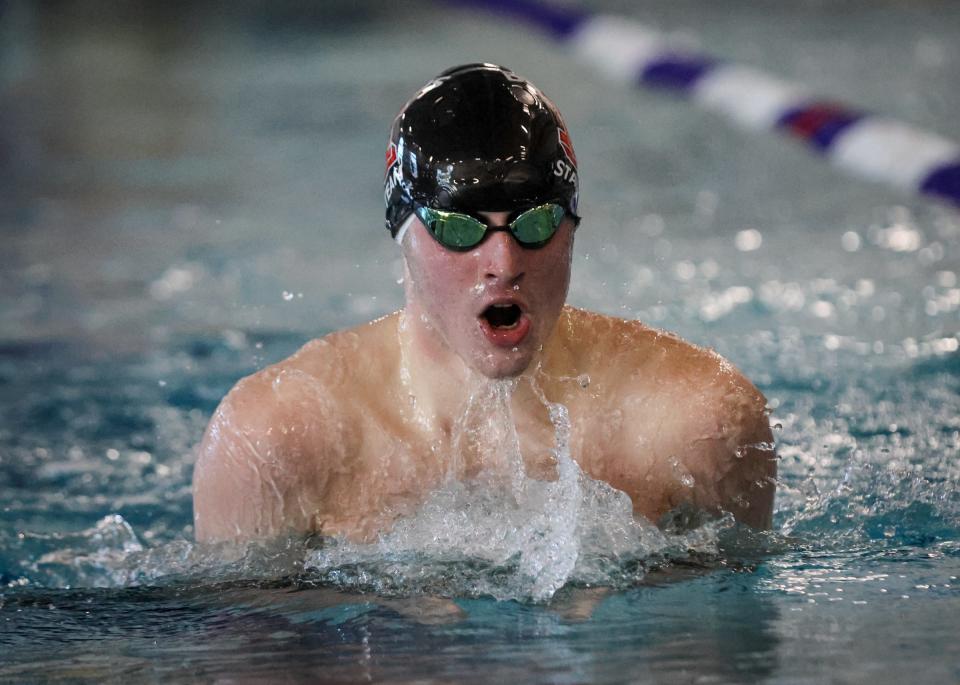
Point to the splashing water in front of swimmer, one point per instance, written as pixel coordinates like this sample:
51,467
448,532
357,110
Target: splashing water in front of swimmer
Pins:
501,533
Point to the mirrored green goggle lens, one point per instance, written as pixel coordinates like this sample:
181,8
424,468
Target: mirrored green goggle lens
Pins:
458,231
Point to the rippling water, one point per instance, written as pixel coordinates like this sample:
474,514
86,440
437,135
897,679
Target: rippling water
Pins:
178,220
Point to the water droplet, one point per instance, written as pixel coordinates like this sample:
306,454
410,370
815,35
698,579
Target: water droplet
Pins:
850,241
681,473
748,240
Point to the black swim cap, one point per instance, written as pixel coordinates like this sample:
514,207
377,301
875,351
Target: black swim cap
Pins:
478,138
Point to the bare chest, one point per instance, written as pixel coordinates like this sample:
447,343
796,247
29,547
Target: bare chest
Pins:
392,468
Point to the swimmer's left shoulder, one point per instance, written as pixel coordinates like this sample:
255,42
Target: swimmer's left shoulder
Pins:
618,343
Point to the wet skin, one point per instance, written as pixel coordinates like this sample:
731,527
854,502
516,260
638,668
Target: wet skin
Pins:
356,428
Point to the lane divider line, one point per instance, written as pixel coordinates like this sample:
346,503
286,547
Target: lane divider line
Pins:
865,144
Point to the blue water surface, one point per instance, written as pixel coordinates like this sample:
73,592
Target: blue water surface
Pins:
192,194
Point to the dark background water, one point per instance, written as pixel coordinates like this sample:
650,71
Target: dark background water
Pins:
190,191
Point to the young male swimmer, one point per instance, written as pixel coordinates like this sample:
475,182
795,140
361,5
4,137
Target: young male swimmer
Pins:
360,426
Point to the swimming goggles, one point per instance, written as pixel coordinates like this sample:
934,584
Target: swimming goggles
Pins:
461,232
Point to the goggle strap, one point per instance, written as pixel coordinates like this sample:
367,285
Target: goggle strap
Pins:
402,231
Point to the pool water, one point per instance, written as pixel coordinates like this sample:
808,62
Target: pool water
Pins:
190,195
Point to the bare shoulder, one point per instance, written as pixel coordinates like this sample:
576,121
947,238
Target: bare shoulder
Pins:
690,417
259,455
630,356
267,454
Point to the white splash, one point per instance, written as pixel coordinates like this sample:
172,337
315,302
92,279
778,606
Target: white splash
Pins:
483,537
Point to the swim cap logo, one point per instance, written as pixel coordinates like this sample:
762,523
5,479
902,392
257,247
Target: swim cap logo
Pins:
391,157
567,145
566,169
393,175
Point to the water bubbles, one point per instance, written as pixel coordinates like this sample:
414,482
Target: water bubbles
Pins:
946,279
234,339
945,345
681,473
287,296
717,305
822,309
850,241
748,240
784,296
709,269
176,280
932,253
865,287
685,270
902,235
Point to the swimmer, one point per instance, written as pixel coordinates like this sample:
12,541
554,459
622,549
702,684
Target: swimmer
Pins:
358,427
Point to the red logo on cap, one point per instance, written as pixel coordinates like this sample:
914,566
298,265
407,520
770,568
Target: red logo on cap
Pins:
391,157
567,145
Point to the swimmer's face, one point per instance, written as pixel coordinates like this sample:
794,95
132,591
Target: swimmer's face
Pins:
493,306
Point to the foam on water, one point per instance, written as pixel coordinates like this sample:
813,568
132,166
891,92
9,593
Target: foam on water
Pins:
110,554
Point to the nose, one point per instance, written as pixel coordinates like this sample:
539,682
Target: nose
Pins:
501,258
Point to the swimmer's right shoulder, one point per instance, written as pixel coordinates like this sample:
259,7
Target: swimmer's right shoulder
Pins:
350,357
272,444
316,381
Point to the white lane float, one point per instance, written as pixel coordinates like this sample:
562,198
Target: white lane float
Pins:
865,144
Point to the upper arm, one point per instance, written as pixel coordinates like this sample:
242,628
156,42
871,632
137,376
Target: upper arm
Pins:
740,457
255,476
747,487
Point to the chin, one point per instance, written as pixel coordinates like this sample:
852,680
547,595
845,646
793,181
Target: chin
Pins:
503,365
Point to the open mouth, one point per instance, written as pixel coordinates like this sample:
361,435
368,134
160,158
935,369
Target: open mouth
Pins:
504,316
